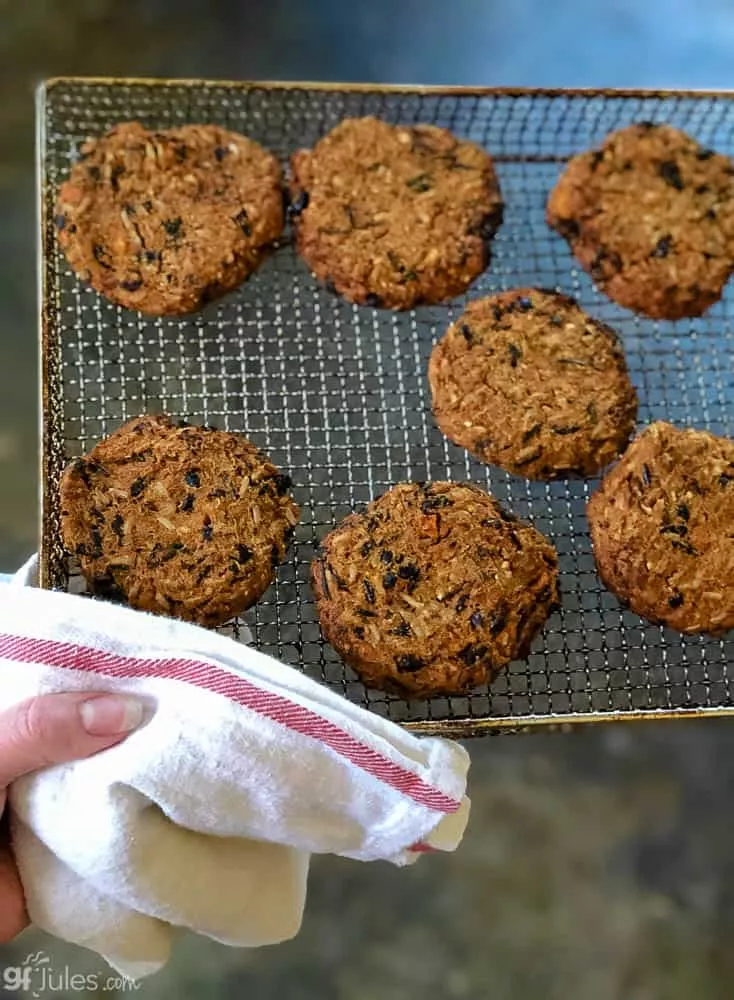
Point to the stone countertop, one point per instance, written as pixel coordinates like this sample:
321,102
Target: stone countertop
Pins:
598,864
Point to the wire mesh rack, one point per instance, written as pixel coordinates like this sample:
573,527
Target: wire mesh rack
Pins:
337,394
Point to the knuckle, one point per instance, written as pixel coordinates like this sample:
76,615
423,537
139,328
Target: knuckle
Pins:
32,728
36,730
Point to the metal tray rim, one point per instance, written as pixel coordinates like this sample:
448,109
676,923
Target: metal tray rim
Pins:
388,88
461,728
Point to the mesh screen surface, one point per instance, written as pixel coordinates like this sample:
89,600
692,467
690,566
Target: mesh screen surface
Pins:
337,394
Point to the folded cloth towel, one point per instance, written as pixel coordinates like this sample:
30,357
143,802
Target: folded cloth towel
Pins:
206,817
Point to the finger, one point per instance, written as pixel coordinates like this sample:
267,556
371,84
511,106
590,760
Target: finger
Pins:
55,728
13,916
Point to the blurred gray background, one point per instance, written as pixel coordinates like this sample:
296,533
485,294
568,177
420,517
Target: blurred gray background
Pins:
599,864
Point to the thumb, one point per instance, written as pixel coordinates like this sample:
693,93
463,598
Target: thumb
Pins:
55,728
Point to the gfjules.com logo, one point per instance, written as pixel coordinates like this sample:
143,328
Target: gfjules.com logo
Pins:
36,977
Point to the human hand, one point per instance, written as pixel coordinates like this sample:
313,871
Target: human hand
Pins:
51,729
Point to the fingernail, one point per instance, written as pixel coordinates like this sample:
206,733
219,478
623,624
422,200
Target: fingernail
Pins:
110,714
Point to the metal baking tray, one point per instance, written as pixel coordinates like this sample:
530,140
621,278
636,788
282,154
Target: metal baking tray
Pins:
337,394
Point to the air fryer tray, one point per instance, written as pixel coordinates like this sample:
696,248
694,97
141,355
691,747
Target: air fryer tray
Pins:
337,393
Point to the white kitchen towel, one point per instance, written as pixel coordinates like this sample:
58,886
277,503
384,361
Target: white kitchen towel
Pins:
206,817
